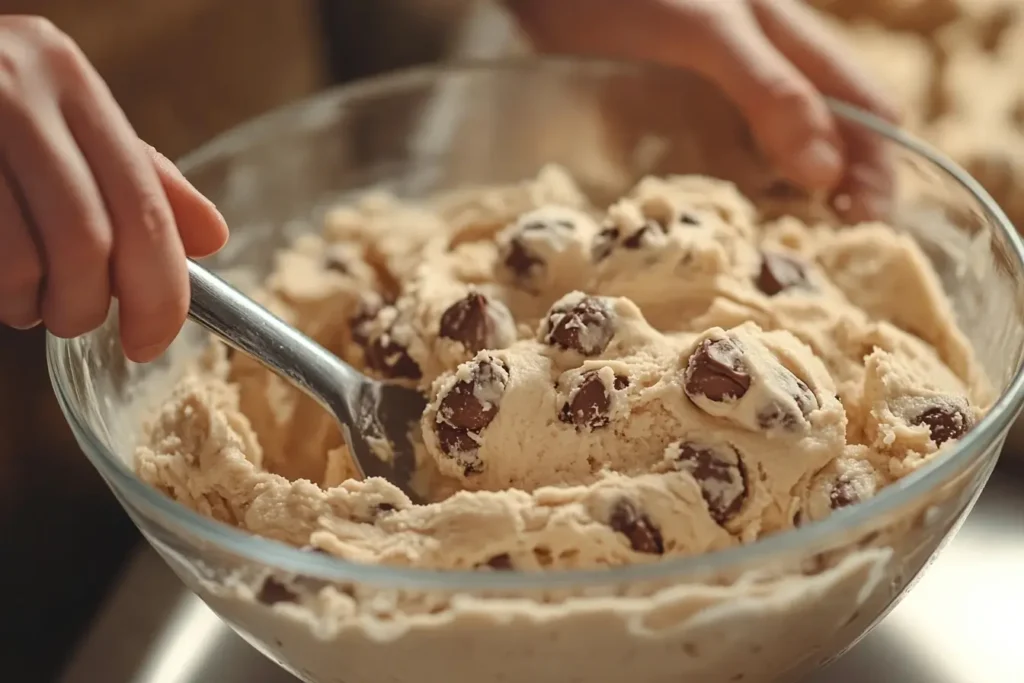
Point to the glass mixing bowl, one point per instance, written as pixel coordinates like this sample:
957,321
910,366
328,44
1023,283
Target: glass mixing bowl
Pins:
770,611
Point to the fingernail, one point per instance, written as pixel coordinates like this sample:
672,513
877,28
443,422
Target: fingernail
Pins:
818,163
29,326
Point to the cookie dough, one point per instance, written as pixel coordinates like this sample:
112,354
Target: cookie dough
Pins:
669,375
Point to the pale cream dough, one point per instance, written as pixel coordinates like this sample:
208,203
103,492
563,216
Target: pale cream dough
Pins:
585,444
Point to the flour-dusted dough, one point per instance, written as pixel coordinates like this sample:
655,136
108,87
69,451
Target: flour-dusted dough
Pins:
669,375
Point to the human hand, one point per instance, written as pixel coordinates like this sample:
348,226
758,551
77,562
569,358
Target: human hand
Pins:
771,58
87,210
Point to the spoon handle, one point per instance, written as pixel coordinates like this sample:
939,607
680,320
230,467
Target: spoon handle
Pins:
245,325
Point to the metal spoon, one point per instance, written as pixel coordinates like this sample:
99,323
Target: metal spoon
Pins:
376,419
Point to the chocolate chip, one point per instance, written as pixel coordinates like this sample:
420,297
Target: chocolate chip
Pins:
472,404
779,273
273,592
590,402
518,255
804,397
585,326
843,493
634,240
461,408
721,475
945,423
466,321
716,371
520,261
502,562
643,535
604,243
391,359
334,263
466,410
457,442
776,416
474,321
687,218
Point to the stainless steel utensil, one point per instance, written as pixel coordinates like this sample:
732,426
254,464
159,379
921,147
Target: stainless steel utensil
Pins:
377,419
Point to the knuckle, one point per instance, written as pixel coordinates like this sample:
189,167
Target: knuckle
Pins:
788,95
62,54
36,49
11,67
711,14
35,25
46,32
14,75
154,216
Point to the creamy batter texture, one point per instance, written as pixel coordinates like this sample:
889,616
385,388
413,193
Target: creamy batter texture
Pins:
669,375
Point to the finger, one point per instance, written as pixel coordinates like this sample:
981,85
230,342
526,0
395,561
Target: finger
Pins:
21,265
723,43
866,189
807,43
787,115
200,225
148,262
66,212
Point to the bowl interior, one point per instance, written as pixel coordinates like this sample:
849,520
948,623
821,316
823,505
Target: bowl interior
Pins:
430,130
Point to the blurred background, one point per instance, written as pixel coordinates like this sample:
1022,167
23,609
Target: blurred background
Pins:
185,70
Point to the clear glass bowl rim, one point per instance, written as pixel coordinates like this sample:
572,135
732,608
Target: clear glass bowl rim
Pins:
286,558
